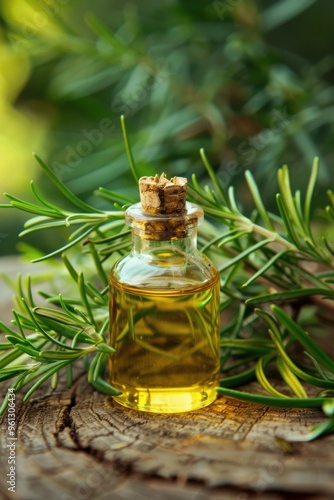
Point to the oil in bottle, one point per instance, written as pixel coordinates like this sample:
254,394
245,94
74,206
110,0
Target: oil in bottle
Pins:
164,313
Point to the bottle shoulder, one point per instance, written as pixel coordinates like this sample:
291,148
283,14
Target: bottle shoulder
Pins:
164,270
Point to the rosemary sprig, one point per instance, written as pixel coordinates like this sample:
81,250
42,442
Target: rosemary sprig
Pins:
264,259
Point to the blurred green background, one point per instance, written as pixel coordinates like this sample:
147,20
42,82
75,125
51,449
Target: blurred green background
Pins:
250,81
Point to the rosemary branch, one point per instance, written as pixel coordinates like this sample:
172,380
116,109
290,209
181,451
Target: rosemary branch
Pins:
264,260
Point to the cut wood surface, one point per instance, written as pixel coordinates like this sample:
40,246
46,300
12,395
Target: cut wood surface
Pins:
78,444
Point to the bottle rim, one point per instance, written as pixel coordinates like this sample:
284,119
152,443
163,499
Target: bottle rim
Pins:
193,215
162,227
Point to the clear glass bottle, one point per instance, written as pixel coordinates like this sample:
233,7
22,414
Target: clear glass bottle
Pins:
164,316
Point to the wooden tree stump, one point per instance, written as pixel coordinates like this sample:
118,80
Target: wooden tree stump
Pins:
78,444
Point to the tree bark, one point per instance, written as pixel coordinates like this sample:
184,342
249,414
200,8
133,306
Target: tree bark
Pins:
78,444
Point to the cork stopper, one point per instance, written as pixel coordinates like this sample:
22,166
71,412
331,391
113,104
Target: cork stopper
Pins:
163,213
158,195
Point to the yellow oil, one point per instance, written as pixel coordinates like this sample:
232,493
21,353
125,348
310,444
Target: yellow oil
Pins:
167,345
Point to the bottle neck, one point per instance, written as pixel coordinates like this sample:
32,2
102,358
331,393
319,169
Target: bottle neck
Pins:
181,227
142,243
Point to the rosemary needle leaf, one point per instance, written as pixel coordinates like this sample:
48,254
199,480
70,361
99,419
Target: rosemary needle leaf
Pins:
53,355
309,192
320,430
71,244
261,377
243,254
277,338
271,400
240,378
52,369
5,346
7,373
104,388
288,200
54,380
257,199
328,245
298,332
258,345
39,197
64,190
84,298
100,271
328,408
317,366
113,197
5,328
31,208
265,268
214,178
23,346
128,150
104,348
12,356
290,295
290,378
318,382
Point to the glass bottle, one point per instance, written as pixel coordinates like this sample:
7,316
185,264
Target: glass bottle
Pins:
164,312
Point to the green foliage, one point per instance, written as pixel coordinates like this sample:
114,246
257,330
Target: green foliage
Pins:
277,263
233,75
